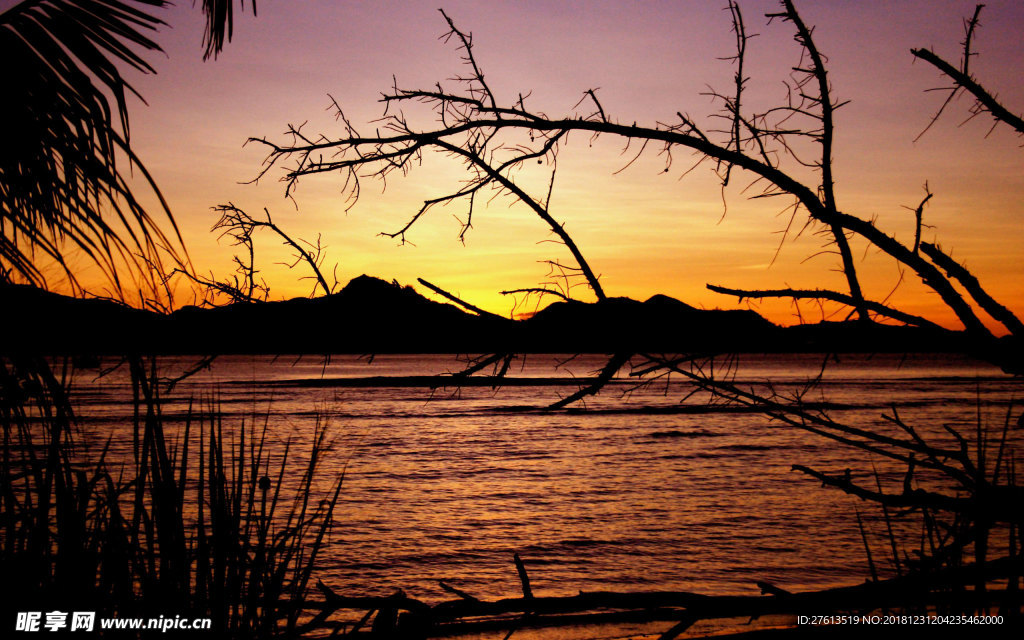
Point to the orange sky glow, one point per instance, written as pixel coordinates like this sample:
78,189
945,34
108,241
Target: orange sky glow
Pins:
643,230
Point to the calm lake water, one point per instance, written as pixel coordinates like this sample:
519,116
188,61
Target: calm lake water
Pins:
636,490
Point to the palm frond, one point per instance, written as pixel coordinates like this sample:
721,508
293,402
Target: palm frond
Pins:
219,21
62,186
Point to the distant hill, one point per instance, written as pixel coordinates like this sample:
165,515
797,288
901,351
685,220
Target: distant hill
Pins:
368,316
36,320
661,324
371,315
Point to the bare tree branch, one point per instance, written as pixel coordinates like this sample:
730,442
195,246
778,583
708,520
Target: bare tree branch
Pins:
834,296
963,80
457,300
240,225
973,287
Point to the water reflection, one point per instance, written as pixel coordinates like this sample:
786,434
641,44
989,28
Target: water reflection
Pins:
636,492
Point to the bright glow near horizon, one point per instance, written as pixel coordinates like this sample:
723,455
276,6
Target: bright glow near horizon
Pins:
644,231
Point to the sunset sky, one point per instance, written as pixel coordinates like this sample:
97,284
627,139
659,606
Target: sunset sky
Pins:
643,230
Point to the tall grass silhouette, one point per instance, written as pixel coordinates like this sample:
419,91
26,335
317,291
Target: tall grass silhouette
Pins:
204,522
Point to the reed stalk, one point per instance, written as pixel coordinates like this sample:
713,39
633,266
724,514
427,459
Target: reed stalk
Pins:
201,521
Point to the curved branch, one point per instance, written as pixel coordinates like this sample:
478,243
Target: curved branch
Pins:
607,373
834,296
973,287
824,101
538,290
541,210
987,101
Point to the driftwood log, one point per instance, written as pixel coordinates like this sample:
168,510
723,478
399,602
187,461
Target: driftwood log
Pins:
400,616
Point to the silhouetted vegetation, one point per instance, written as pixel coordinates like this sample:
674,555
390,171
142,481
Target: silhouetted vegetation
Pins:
64,169
200,520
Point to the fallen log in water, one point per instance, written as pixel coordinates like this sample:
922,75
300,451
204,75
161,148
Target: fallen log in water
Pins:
403,617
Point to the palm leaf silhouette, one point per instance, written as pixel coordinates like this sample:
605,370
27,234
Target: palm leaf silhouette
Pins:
219,20
63,180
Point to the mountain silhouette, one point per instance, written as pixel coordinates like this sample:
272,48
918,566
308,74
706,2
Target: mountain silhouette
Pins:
661,324
368,316
37,321
371,315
